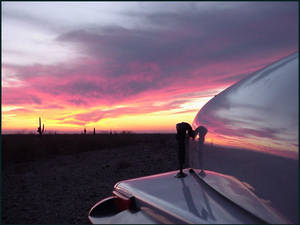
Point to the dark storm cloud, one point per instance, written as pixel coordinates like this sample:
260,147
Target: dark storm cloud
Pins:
188,49
188,40
204,35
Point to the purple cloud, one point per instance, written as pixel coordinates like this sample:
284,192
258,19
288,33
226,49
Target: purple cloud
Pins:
176,54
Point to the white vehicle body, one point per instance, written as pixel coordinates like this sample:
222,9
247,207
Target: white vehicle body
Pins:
258,113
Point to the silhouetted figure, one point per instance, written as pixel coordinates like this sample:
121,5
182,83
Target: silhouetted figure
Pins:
181,133
94,131
84,131
201,131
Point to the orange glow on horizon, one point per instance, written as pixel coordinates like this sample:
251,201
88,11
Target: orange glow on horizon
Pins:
254,144
24,119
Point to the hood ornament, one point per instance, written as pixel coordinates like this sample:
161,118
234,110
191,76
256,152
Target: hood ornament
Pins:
200,131
181,136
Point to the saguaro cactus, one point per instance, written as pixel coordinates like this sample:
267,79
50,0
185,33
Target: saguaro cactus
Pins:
40,130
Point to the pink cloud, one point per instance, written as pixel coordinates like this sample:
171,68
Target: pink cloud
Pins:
197,53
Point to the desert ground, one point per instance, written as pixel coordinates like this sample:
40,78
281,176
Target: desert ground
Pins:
56,179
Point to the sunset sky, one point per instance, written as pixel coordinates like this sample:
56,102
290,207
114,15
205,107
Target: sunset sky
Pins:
138,66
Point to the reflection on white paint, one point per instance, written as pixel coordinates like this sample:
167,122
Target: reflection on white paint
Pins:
195,104
259,112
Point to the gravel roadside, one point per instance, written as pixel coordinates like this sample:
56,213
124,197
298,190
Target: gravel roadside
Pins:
62,189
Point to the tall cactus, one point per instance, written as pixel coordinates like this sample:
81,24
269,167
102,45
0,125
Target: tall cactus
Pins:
40,130
94,131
